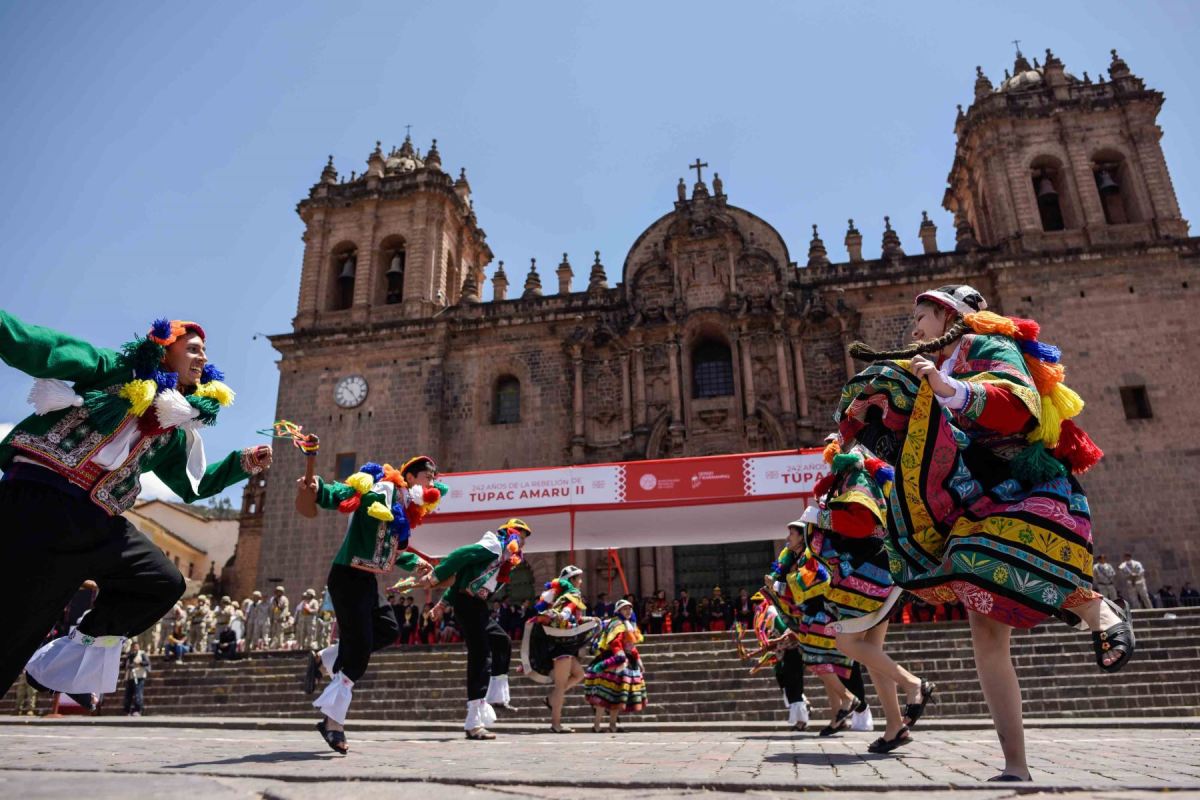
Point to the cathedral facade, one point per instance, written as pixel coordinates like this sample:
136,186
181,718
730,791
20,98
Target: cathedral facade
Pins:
711,336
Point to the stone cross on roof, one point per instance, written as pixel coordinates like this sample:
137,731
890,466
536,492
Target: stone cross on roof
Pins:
698,166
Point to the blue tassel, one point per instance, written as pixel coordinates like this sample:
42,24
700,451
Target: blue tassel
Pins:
211,373
166,380
1041,351
399,526
372,469
161,328
885,474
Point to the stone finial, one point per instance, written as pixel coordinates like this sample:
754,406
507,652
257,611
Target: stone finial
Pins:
928,234
597,280
375,162
461,187
499,283
983,86
1087,79
1117,68
718,185
533,282
433,159
565,274
406,149
964,235
470,288
329,174
681,190
960,111
891,241
854,243
817,255
1051,59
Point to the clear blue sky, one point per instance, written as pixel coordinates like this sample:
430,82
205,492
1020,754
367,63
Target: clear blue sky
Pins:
153,153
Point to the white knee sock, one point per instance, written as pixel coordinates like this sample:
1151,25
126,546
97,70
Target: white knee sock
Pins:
498,690
334,702
329,657
78,663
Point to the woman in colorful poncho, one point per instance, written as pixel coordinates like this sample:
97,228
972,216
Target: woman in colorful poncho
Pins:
798,584
846,533
986,508
553,639
614,681
102,418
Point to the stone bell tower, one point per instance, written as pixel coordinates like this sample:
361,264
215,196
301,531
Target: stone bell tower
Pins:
400,241
1047,161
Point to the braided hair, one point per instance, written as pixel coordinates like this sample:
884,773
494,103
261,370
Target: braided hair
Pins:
957,330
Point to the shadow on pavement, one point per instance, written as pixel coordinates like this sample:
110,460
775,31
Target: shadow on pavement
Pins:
825,759
278,757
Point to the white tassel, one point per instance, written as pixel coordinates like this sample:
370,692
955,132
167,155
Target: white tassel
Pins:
173,409
51,394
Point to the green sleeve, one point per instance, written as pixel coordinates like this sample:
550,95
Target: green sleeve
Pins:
171,467
46,353
461,558
330,495
407,561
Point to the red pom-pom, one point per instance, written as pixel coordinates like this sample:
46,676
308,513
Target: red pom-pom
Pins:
1027,329
1077,448
431,495
350,504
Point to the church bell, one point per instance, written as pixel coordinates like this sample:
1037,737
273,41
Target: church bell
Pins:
1046,190
1105,182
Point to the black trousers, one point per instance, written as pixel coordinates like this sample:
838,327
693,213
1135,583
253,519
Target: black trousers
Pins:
789,673
500,646
365,622
50,543
855,683
471,613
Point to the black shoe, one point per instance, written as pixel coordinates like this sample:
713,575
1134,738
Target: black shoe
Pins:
1119,637
882,745
839,724
914,711
335,739
1005,777
313,672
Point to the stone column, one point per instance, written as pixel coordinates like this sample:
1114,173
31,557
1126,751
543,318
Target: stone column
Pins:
626,400
746,341
801,379
577,441
639,385
785,390
673,366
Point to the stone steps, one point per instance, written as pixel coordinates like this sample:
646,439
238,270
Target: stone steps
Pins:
698,677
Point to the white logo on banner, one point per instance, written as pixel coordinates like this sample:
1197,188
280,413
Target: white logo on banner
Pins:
648,482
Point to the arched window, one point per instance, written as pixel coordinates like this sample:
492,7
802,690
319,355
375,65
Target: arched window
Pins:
345,265
393,277
506,404
1050,192
1112,179
712,370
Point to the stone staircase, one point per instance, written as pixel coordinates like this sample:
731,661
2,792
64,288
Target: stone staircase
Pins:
697,677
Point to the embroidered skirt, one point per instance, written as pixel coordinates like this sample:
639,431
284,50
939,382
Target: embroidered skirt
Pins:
1013,552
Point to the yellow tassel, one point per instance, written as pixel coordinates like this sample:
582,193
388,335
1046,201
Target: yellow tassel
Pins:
360,482
140,395
217,391
1045,375
988,322
379,511
1067,401
1051,427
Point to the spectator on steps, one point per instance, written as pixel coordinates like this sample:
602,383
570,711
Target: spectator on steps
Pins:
686,619
177,642
1135,577
657,613
1189,596
1167,598
137,667
1104,577
743,609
